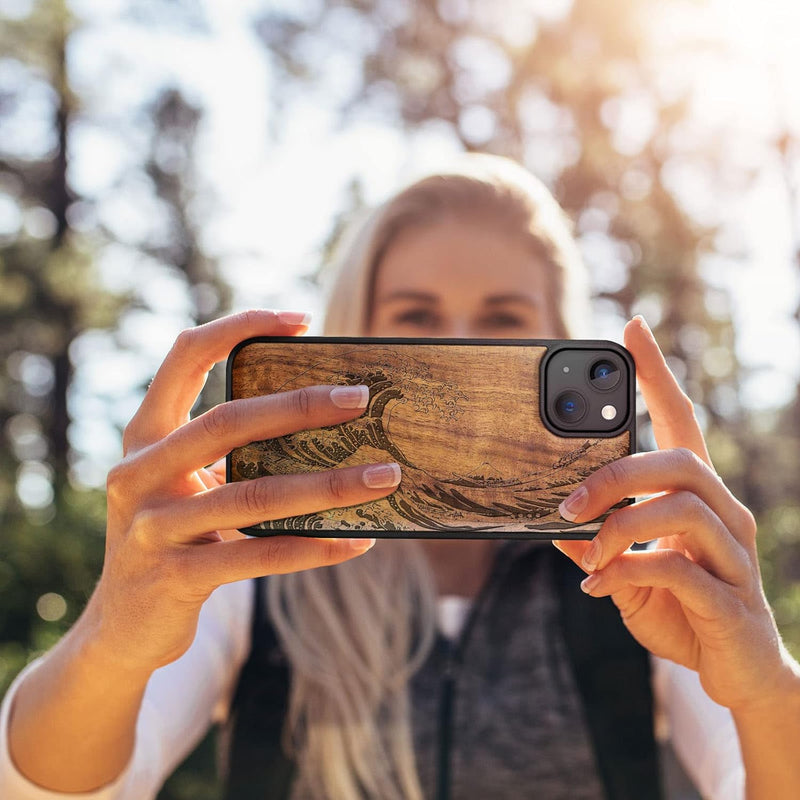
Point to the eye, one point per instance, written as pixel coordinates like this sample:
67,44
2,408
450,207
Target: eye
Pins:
499,320
418,318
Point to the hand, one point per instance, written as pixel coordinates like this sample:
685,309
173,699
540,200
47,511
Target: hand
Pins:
696,598
171,537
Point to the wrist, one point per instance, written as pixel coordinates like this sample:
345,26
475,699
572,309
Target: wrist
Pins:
781,698
73,719
97,643
768,728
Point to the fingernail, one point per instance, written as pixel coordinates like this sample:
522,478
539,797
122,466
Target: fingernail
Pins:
381,476
589,583
361,545
643,324
350,396
294,317
573,505
591,558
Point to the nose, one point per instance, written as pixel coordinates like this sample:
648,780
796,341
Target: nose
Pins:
458,328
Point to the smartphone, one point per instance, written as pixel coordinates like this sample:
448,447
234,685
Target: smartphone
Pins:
491,435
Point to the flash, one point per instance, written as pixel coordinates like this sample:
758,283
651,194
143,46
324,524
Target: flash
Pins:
609,412
566,369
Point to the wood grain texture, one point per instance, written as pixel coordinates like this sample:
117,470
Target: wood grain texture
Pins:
462,420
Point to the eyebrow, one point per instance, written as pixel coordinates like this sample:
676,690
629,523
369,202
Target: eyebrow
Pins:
492,300
407,294
503,299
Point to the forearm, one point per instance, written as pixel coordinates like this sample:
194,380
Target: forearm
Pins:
73,721
769,736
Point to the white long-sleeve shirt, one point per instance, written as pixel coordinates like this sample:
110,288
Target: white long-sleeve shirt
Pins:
184,698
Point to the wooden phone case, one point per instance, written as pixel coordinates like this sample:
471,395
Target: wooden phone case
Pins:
463,418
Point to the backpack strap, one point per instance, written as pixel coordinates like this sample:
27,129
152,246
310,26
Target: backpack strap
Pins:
612,672
257,764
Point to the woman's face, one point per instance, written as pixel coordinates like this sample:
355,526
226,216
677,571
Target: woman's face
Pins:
460,279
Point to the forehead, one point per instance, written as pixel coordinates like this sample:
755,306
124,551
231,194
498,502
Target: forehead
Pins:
465,255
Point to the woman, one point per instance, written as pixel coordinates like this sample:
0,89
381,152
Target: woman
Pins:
481,252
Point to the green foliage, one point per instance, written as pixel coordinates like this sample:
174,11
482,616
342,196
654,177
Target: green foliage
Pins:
779,550
51,547
57,551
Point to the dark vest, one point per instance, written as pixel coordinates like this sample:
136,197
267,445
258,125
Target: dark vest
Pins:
611,672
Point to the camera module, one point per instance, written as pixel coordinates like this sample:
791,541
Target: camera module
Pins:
587,388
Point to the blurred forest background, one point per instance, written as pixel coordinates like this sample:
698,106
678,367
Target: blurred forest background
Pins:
119,223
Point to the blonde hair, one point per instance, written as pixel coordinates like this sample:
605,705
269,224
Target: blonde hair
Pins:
355,633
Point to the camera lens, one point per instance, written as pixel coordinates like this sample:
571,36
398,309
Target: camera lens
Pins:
604,375
570,407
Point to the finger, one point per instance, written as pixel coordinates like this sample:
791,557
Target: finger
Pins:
238,422
248,503
225,562
652,473
214,474
630,599
574,549
218,472
680,514
671,411
695,589
182,375
211,477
